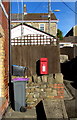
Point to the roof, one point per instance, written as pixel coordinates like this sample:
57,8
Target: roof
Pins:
69,33
72,31
72,39
33,16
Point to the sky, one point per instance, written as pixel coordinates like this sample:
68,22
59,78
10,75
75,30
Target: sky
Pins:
66,15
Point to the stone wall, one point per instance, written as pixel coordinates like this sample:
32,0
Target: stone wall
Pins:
44,87
52,27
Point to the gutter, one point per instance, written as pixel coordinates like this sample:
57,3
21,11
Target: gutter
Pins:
52,21
3,8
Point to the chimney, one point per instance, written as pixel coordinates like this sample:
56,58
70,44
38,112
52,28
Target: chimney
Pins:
25,11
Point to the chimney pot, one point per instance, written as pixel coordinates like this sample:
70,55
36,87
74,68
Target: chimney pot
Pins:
25,11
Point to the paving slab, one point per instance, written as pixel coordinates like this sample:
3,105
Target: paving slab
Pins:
71,105
29,114
55,109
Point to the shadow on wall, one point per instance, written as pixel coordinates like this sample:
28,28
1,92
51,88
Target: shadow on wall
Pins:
38,67
40,111
69,70
11,95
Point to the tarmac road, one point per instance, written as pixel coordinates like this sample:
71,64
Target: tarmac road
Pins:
71,105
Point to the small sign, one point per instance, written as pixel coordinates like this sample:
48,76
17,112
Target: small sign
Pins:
44,68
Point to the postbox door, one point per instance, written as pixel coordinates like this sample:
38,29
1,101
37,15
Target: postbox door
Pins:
43,68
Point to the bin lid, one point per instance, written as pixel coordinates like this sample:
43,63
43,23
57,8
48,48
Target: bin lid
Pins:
18,66
20,79
44,59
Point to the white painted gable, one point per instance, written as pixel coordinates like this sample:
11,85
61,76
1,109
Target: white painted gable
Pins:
16,31
28,30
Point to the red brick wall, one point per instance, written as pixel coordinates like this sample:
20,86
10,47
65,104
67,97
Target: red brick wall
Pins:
5,27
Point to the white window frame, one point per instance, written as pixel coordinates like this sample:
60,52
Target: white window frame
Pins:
40,26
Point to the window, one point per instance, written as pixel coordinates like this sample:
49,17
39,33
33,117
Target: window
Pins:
42,27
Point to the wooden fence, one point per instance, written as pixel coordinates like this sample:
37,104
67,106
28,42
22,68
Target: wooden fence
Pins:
29,55
70,51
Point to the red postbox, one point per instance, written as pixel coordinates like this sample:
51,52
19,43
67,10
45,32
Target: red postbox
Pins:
43,65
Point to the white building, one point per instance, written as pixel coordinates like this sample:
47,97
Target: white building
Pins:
24,34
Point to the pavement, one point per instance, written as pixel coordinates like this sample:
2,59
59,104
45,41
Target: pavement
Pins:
55,109
47,109
71,105
11,114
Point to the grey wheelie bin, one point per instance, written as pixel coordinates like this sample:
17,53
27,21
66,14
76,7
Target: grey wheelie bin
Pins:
19,85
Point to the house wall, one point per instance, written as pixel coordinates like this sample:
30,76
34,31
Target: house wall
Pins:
53,26
75,30
4,67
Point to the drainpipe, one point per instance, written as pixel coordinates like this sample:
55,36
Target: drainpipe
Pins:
10,56
3,8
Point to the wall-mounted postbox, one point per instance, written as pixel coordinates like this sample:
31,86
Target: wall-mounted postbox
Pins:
43,65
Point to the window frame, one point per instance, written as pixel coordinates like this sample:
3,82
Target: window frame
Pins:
40,26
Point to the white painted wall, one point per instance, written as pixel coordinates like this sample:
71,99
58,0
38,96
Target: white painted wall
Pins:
16,32
28,30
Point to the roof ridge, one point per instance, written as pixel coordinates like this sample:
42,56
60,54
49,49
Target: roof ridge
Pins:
31,13
33,16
